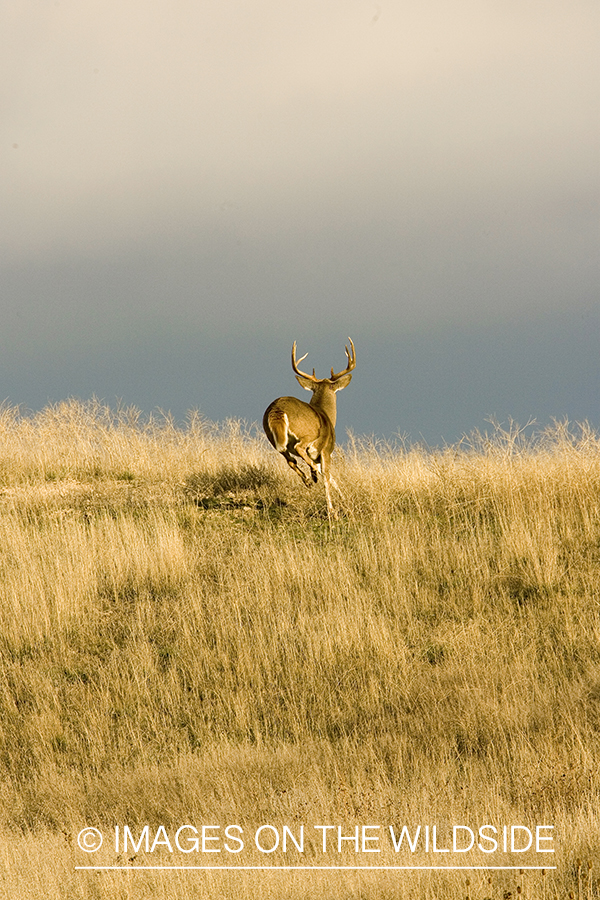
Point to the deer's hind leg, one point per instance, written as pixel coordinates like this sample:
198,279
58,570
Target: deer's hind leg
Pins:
313,465
296,468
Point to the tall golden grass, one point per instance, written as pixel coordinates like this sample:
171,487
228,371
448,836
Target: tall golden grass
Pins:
185,638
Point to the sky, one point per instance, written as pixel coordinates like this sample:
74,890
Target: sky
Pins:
187,187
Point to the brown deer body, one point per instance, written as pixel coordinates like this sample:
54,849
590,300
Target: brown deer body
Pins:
306,431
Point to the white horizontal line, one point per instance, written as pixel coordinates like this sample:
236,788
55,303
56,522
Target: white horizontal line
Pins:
317,868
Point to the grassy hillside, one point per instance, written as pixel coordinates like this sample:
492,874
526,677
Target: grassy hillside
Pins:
186,639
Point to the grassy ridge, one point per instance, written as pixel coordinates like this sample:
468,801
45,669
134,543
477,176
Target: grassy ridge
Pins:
184,637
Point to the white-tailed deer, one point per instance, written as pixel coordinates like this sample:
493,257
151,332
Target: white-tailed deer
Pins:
306,431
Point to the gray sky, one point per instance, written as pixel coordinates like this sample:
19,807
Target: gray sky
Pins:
188,186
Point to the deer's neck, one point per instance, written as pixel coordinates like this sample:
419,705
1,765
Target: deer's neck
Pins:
324,400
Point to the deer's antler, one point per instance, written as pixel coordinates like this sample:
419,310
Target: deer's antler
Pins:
351,363
295,362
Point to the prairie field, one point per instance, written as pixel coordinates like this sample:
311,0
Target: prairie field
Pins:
186,639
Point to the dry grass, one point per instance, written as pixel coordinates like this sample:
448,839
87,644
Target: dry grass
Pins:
184,638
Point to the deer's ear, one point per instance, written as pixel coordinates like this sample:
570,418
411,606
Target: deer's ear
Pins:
342,382
306,383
